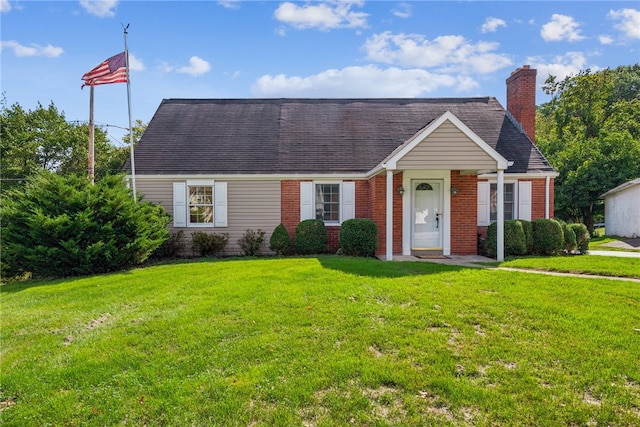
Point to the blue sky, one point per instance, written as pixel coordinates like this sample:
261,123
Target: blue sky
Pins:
272,49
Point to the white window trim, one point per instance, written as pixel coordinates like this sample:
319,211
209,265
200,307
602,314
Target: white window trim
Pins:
200,183
346,205
340,209
515,198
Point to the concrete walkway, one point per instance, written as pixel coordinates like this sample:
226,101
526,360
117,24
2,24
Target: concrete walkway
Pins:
472,260
615,253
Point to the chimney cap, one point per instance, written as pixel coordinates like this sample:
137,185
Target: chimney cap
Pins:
524,67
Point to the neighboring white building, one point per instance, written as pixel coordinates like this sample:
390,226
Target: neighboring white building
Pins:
622,210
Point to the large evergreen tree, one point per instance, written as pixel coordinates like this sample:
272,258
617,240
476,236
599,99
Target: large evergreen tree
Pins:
590,132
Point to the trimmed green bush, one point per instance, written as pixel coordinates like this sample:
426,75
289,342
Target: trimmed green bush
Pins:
280,241
208,244
251,242
569,238
527,227
548,238
514,239
60,226
582,237
311,237
358,237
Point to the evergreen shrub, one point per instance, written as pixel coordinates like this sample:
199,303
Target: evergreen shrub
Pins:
311,237
548,238
582,237
60,226
569,237
280,241
358,237
514,239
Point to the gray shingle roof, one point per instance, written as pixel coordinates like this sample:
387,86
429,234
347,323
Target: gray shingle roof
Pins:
314,136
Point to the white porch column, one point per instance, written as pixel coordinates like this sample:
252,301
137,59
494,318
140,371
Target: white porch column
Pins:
500,218
389,238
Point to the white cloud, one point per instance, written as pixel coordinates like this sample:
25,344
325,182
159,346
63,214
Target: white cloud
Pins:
5,6
135,64
492,24
360,81
33,50
561,27
450,53
101,8
403,10
561,66
604,39
197,67
229,4
323,16
628,22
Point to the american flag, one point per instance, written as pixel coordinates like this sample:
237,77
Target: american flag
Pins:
112,70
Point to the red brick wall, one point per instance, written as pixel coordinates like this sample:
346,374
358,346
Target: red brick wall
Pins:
537,201
290,205
464,214
397,215
378,210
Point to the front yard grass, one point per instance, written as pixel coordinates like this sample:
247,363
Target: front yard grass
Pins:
327,341
581,264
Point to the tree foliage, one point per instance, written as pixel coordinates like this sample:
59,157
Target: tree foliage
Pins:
59,226
42,139
590,132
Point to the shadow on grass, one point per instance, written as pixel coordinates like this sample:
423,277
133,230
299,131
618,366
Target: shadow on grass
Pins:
373,267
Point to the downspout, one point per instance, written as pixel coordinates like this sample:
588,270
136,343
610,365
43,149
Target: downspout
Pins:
547,186
389,239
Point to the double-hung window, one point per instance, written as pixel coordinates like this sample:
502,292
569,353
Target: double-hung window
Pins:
517,201
200,203
328,202
332,202
509,201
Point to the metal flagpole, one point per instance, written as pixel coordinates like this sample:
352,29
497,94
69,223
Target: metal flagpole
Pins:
91,158
133,163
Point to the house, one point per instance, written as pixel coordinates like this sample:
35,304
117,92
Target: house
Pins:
431,173
622,210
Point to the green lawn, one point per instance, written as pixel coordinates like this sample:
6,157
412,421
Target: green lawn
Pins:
327,341
583,264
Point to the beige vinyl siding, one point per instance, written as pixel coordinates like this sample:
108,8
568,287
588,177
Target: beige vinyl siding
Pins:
250,205
447,148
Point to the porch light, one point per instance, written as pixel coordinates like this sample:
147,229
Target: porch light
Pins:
454,190
400,190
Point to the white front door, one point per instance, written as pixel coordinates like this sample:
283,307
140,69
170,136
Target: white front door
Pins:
427,223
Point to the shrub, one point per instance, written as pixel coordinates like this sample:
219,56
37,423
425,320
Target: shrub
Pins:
514,239
172,247
311,237
251,242
59,226
208,244
582,237
358,237
280,241
548,238
527,227
569,237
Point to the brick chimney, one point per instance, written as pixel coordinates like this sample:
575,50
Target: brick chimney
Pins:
521,99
